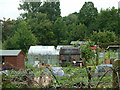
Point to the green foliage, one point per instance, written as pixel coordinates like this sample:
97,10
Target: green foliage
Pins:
103,37
86,51
9,81
52,9
70,19
108,20
7,29
71,77
43,29
60,30
0,44
31,9
22,39
50,28
76,44
78,32
87,13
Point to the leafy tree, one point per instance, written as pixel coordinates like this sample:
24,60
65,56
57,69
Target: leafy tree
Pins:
87,14
52,9
78,32
60,31
22,39
70,19
108,20
103,37
7,28
86,51
30,8
43,29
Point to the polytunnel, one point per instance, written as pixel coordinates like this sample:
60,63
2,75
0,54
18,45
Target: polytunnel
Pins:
43,54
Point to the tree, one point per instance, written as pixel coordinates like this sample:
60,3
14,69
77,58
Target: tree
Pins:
70,19
7,29
78,32
108,20
103,37
60,31
22,39
87,14
86,51
51,9
43,29
30,8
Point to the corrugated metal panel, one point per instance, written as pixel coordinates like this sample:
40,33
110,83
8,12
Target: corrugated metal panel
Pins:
60,46
113,46
9,52
70,51
79,42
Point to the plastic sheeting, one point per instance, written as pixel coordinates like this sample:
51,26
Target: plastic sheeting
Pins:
43,50
57,71
43,54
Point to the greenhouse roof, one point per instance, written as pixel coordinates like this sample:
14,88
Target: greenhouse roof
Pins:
43,50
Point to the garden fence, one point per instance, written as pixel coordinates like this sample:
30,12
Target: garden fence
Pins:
74,77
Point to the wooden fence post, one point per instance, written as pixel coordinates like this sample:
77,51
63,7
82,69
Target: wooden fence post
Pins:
97,57
116,73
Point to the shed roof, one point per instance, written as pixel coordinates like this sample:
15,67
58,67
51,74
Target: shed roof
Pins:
43,50
60,46
113,46
70,50
9,52
79,42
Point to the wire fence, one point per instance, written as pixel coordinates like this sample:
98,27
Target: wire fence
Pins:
64,77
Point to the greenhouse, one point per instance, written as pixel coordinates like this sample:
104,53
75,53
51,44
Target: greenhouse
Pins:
43,54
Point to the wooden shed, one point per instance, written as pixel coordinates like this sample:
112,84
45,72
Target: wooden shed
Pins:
69,54
116,50
14,59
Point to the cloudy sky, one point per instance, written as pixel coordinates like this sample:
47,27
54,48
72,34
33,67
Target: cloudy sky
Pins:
9,8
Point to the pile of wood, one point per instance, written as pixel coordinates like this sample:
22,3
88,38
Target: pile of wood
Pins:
43,80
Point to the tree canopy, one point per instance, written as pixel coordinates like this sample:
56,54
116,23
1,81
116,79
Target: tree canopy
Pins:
22,39
103,37
42,24
87,13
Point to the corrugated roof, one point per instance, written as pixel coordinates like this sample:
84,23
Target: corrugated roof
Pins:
79,42
60,46
9,52
70,51
113,46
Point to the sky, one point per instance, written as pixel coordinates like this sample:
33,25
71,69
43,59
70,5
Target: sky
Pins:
9,8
